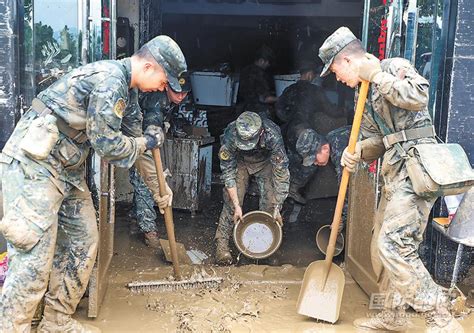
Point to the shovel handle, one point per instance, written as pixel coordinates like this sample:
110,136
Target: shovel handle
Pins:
341,196
168,213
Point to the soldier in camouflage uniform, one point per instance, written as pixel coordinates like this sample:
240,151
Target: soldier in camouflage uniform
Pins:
296,109
250,146
50,222
301,100
315,150
157,108
255,84
398,97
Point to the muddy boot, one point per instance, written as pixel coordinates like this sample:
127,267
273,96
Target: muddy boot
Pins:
387,320
295,213
223,256
152,240
56,322
133,228
441,321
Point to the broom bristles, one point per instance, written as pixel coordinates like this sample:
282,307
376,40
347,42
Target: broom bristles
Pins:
163,285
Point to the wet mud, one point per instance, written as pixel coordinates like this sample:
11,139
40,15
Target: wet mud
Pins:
254,297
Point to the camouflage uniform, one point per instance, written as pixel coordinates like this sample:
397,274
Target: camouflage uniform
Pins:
397,101
296,109
300,174
265,159
402,105
338,140
307,146
254,87
155,107
299,102
49,198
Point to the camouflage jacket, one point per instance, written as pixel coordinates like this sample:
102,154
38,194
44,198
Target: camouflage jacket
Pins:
269,149
132,121
254,86
300,101
144,110
338,140
157,108
93,99
400,97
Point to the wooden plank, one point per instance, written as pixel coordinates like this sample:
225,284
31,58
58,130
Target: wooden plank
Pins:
106,216
362,199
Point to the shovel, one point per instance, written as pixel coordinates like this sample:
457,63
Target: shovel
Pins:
323,282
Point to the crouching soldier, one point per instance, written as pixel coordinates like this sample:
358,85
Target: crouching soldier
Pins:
50,222
250,146
316,150
157,108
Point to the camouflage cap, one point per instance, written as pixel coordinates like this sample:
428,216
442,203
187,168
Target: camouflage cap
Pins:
333,45
168,54
308,144
184,82
248,126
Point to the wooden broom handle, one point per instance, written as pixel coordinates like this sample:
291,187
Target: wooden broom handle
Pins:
345,175
168,213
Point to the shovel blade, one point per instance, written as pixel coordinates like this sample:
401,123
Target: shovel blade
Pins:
182,255
321,304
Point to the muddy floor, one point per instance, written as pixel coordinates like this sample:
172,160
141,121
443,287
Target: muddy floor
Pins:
254,296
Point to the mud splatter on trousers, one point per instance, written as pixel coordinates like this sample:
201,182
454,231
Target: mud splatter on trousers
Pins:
266,201
64,256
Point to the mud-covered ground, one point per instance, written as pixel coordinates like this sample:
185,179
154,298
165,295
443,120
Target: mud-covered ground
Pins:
254,297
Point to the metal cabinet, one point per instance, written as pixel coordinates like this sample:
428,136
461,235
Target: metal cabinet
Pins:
190,163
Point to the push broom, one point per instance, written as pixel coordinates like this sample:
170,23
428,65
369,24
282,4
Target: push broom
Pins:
179,283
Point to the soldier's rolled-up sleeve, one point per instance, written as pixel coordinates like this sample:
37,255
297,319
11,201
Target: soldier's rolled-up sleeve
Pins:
146,167
403,87
104,120
281,173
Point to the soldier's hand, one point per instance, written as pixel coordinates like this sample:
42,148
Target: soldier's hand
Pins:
349,161
369,67
164,201
238,214
277,216
154,137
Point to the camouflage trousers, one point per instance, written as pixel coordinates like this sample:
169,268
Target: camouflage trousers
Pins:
402,220
266,199
63,257
300,175
143,204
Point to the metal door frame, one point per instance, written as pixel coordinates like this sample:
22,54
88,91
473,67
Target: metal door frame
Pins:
101,175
